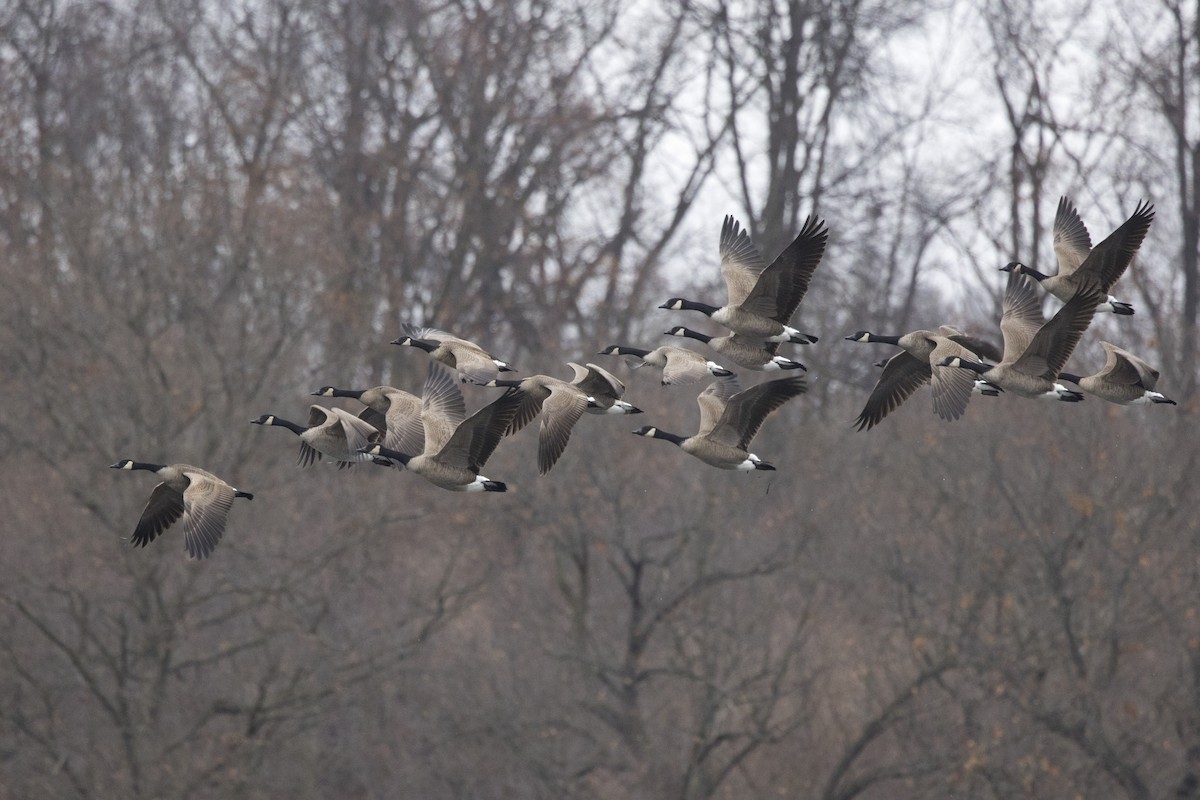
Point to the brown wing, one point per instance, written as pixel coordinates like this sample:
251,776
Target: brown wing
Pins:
741,262
745,412
474,365
783,284
902,375
1022,316
952,386
206,506
561,410
428,334
683,366
532,392
1108,260
986,350
488,430
373,417
403,423
442,409
309,455
599,384
1126,369
163,509
1072,244
1051,347
357,432
712,402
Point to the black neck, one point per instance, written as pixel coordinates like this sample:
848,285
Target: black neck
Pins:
355,393
673,438
287,423
974,366
428,347
1033,273
147,466
503,383
621,350
695,305
394,455
689,333
884,339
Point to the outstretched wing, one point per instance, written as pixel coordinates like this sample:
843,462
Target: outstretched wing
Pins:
902,375
163,509
206,507
1051,347
1126,369
712,402
952,386
783,284
741,262
560,411
1109,259
1022,316
745,412
1072,244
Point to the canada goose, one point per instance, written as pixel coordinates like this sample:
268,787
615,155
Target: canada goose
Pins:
729,419
1035,353
680,366
917,365
330,432
1125,379
474,364
603,389
1078,263
201,498
394,412
748,353
560,403
763,299
455,448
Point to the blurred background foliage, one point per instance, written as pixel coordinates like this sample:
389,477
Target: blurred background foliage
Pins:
208,210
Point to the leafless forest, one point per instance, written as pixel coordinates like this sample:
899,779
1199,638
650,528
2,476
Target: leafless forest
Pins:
208,210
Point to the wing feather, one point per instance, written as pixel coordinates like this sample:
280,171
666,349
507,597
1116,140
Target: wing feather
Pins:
902,375
162,510
741,263
1072,243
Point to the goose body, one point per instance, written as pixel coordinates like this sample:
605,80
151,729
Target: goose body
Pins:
1124,380
331,432
394,412
472,362
1078,267
762,299
748,353
917,365
729,419
198,497
603,389
456,449
680,366
561,405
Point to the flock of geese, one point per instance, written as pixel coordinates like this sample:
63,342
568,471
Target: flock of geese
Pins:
432,436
